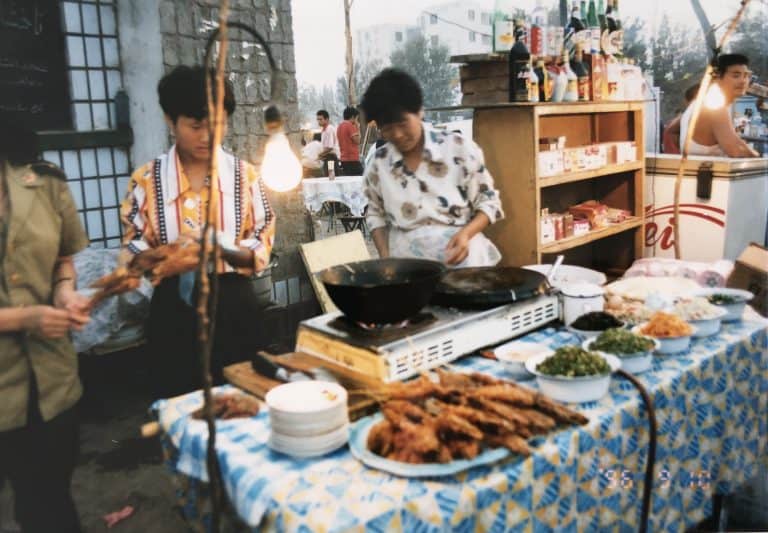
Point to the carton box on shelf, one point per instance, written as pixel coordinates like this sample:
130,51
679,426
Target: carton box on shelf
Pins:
595,156
547,227
626,152
550,163
580,226
574,159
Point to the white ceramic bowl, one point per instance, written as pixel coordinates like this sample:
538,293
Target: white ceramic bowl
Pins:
513,356
633,363
573,390
669,345
734,310
709,326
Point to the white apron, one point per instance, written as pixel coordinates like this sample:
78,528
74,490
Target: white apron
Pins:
429,242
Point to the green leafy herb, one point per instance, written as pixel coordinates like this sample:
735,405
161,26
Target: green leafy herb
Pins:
621,342
572,361
722,299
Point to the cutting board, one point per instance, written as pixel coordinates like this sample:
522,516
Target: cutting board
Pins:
328,252
243,376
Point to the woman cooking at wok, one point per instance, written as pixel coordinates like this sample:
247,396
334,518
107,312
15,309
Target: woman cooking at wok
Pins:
429,193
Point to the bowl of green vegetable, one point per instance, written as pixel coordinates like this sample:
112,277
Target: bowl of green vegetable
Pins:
634,351
573,374
732,300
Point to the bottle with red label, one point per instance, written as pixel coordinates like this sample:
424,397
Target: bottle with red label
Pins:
538,30
582,74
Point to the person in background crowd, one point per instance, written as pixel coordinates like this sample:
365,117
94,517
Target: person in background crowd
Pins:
348,133
167,201
429,192
329,140
40,231
715,134
671,134
310,157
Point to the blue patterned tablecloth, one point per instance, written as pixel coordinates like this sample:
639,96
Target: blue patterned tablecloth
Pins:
712,411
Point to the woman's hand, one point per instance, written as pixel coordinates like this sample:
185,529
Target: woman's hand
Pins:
75,304
457,248
46,321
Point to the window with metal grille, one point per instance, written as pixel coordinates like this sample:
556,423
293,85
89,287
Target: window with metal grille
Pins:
90,27
95,156
98,178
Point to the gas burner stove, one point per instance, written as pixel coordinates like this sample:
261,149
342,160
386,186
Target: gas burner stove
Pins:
438,335
383,331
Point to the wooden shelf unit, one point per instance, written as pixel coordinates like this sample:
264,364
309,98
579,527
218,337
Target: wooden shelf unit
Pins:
509,136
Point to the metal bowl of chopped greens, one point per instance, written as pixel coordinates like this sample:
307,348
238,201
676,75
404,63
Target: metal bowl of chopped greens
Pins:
634,351
573,374
732,300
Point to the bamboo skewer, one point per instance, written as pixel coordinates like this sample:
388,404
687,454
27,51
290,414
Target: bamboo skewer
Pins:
207,299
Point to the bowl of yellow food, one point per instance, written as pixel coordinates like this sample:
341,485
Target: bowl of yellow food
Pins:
672,332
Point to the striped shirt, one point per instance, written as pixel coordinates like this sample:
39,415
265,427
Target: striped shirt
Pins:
160,206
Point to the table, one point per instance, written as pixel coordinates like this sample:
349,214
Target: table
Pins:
345,189
712,412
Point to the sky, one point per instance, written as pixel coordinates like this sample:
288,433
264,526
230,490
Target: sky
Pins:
318,25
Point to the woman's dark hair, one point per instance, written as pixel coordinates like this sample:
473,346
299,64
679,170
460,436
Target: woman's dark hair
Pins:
182,92
724,61
391,94
323,113
18,141
691,92
350,112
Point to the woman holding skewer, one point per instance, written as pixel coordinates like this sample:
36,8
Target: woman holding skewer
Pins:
40,231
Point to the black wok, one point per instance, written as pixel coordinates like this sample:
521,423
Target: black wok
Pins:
485,287
382,291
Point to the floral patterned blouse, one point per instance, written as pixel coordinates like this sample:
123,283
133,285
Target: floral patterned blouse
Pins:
449,187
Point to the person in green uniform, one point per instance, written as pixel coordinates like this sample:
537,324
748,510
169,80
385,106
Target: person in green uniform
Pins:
39,233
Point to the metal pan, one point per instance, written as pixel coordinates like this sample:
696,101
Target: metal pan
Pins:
485,287
382,291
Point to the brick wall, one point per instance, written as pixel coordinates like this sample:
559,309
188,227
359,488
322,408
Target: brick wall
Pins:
185,25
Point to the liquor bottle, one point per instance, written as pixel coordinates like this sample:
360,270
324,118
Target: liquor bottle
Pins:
519,71
559,82
538,29
620,36
582,75
572,82
533,85
545,81
586,35
563,13
601,15
574,24
594,29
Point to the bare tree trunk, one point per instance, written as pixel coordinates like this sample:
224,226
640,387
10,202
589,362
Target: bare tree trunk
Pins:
351,92
706,27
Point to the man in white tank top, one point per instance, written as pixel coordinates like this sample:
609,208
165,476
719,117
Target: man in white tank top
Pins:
714,134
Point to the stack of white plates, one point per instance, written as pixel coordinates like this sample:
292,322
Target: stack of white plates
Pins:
308,418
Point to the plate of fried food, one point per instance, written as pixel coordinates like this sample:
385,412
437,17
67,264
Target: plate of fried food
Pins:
430,428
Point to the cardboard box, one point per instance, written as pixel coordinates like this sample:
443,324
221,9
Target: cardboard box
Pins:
550,163
597,71
751,273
